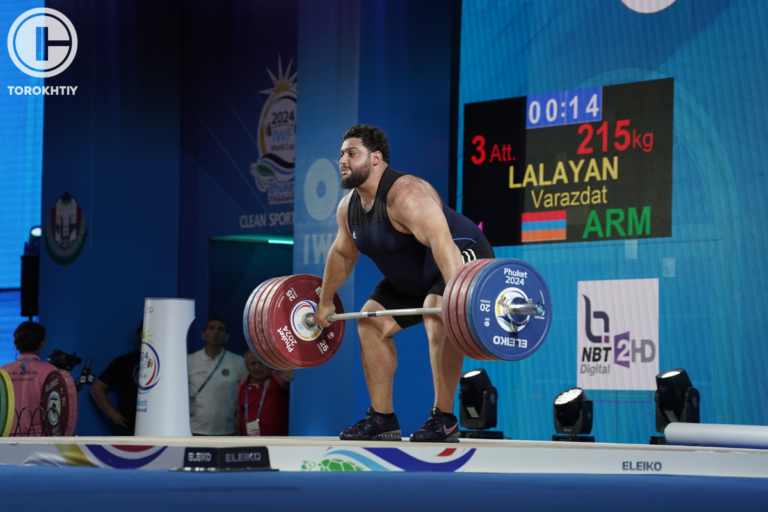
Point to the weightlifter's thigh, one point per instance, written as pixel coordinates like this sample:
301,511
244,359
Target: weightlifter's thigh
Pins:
377,327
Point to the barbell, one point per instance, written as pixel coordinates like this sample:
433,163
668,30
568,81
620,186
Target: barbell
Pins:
492,310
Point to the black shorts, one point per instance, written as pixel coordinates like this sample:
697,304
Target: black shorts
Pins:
392,298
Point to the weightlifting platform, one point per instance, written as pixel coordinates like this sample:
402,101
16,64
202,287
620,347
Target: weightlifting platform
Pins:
302,454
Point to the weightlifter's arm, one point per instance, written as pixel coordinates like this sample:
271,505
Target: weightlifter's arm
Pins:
417,207
342,257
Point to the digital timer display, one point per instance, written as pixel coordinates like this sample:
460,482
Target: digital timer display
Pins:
567,107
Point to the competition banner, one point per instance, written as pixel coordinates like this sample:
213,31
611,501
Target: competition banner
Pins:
239,116
274,171
472,456
581,165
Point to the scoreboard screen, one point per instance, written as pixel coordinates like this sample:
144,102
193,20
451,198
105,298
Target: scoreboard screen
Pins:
582,165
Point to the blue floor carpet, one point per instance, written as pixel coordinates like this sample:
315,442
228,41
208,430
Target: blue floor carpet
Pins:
88,489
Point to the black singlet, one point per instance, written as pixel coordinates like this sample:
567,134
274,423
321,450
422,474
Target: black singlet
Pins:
405,262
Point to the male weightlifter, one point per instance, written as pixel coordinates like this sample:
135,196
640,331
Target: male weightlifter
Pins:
417,242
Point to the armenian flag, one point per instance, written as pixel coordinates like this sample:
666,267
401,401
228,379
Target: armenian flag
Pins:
544,226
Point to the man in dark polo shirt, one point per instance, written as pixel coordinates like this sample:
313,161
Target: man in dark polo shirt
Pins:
122,372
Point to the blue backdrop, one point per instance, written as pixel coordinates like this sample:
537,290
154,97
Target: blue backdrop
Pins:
238,96
378,63
158,148
21,146
712,278
114,146
21,172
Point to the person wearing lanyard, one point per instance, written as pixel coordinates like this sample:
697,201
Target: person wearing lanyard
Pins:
214,374
262,400
28,374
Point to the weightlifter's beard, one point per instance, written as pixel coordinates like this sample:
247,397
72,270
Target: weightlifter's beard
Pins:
357,176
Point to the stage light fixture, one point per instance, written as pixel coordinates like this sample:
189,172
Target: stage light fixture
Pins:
32,245
30,274
573,416
676,401
478,405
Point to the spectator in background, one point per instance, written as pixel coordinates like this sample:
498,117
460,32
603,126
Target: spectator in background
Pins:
122,372
262,400
214,374
28,374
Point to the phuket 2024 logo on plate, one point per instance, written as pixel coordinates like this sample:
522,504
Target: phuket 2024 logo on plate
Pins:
274,171
65,230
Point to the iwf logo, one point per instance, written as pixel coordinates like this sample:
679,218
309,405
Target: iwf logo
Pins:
618,332
274,170
42,42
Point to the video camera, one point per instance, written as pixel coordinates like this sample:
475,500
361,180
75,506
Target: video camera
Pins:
64,361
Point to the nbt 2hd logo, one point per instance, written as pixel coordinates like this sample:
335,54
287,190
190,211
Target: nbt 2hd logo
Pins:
618,334
42,43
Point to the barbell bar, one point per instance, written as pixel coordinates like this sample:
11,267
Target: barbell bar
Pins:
523,309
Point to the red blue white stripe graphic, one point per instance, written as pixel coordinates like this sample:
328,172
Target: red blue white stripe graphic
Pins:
125,456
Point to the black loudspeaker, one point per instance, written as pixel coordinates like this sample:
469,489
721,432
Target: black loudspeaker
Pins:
30,285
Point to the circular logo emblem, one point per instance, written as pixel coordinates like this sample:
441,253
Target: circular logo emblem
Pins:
225,372
506,298
300,329
42,42
321,189
65,230
54,408
647,6
149,369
